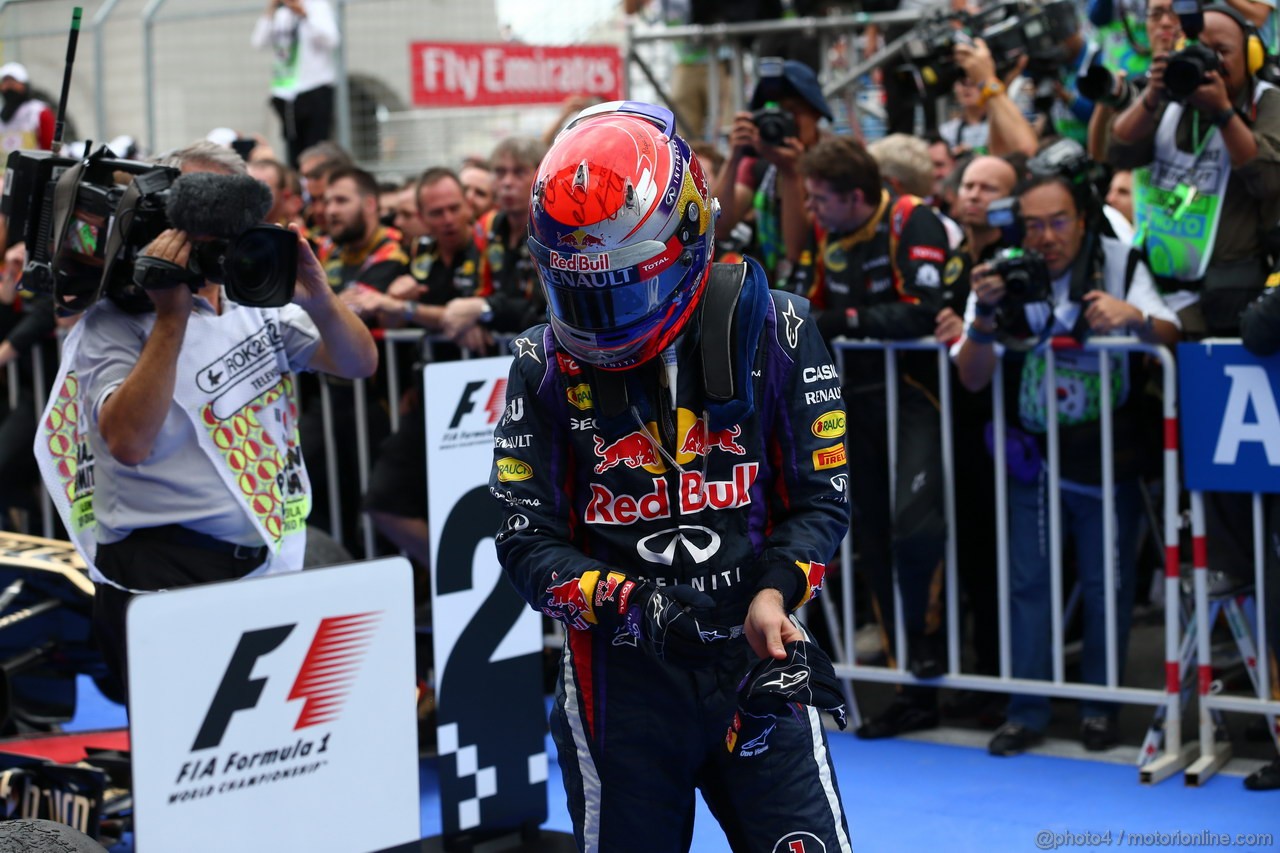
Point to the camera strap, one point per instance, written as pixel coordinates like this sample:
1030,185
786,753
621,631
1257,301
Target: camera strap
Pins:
1087,274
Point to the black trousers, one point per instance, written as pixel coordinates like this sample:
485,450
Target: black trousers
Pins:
155,558
914,537
305,120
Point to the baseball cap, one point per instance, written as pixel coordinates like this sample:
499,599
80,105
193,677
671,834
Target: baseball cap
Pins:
16,70
794,77
223,136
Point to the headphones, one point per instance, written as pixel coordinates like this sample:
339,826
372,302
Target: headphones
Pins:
1255,50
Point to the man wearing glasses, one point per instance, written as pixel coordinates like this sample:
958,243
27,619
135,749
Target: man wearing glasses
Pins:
1073,280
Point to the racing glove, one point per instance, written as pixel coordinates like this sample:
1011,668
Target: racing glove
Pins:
667,622
773,687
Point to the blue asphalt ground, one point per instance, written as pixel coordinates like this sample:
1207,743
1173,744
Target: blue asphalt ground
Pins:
904,795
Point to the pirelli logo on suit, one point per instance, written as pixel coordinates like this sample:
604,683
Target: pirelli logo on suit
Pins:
828,457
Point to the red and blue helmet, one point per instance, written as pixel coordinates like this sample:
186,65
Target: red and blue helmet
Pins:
621,230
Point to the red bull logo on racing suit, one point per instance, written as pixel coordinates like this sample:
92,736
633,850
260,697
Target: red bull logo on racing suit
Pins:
695,494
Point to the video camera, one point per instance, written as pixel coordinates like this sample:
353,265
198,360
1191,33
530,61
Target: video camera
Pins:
1186,68
1010,29
1036,33
85,223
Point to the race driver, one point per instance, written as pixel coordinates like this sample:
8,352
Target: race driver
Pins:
672,468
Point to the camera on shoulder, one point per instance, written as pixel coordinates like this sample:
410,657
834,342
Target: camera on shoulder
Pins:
85,223
1011,29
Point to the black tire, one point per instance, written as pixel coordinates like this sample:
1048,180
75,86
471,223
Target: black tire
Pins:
44,836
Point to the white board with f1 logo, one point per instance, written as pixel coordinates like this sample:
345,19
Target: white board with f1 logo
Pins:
277,713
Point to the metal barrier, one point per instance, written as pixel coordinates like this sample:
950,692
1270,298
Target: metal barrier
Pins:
389,362
1156,761
1214,754
730,38
1152,767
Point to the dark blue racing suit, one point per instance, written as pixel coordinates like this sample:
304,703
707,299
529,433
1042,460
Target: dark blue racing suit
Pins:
743,495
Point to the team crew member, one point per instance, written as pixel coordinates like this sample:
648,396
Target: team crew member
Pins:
508,298
673,490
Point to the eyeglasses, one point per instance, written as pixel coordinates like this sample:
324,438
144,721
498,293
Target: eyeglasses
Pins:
1059,225
1161,12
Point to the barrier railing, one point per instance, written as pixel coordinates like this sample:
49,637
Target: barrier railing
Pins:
1254,650
1156,761
1153,767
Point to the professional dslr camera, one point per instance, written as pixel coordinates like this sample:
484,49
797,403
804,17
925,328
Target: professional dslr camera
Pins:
86,222
1100,84
1186,68
1026,276
774,123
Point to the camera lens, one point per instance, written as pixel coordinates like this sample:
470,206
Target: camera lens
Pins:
1096,83
261,266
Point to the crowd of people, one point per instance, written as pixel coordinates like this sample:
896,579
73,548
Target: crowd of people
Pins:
1032,213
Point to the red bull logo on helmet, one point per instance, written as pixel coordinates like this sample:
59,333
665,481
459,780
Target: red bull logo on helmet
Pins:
598,262
580,240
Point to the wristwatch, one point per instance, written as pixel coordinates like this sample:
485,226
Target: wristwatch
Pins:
1223,118
486,312
989,90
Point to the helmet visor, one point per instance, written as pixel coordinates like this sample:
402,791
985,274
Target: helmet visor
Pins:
610,290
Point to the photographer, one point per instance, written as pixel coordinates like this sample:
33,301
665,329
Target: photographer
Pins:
1008,129
1074,279
170,509
1126,75
761,172
1204,142
1207,180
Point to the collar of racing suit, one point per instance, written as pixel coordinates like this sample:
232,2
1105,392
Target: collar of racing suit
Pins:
866,230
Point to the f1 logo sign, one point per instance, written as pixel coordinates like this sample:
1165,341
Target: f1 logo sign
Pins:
323,680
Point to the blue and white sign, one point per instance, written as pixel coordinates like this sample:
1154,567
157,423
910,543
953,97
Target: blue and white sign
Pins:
1230,418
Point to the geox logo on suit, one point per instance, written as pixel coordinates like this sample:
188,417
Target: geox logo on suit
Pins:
323,680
